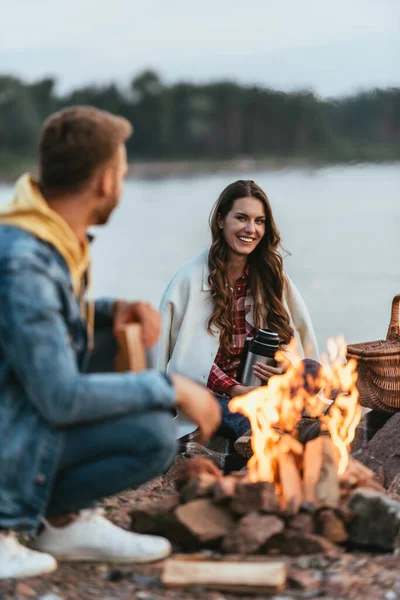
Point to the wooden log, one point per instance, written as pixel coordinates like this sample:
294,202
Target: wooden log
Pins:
312,463
290,480
328,490
131,352
242,577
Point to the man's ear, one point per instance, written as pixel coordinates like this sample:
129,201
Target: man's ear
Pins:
106,182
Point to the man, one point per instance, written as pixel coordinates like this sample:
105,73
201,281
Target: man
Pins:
67,437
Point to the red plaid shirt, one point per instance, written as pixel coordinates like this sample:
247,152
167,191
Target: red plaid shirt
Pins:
224,370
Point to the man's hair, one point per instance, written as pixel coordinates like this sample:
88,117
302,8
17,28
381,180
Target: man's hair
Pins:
75,142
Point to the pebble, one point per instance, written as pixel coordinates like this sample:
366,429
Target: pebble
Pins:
145,580
390,595
115,575
50,597
143,596
24,591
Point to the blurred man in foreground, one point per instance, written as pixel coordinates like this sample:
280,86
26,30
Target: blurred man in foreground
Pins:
69,437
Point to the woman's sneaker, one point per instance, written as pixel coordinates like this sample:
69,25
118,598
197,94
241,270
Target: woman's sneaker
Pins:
93,538
18,562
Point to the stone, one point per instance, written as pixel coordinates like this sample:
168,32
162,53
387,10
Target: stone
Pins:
22,590
198,487
194,450
224,489
294,543
302,522
204,520
394,487
193,467
377,520
383,451
308,580
251,533
150,516
257,496
331,526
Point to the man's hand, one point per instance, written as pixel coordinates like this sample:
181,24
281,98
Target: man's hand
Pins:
198,404
138,312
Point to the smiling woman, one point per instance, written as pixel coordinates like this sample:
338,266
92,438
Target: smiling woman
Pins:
224,296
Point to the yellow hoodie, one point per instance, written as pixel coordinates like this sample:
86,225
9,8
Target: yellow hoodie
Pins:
30,211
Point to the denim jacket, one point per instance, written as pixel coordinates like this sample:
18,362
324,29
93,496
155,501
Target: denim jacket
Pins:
44,386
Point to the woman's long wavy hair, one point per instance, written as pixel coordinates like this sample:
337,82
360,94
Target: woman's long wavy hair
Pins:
267,279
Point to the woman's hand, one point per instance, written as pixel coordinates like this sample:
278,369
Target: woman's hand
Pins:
240,390
264,372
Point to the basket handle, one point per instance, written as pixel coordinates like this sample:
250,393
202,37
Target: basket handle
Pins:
394,326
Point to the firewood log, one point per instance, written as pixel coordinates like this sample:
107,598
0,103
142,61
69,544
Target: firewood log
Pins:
312,464
290,481
246,577
131,353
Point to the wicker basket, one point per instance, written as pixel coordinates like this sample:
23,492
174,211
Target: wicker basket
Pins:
378,367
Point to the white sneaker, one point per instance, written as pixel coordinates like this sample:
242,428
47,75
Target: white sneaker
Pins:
91,537
17,561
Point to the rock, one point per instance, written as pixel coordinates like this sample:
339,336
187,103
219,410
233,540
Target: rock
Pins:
196,450
115,575
22,590
50,597
205,521
294,543
198,487
331,526
377,521
150,516
394,487
194,467
384,450
308,580
255,497
251,533
224,489
146,580
302,522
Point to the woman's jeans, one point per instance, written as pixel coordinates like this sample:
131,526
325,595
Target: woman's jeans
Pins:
234,425
104,458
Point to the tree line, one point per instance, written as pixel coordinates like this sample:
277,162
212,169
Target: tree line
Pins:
213,121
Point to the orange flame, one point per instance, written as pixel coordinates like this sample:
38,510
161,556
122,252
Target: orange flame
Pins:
275,409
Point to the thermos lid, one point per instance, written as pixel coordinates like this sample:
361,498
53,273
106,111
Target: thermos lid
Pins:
269,338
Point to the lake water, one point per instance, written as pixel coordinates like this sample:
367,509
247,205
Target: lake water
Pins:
341,225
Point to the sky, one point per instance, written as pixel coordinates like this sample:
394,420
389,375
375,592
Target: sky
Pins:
334,48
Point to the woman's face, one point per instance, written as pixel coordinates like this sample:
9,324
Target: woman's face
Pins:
244,226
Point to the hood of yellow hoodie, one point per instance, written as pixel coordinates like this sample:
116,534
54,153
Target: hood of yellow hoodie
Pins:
29,210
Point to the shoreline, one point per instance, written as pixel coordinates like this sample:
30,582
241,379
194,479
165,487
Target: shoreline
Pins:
166,169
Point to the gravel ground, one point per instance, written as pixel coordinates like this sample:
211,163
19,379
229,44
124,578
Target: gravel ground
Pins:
354,576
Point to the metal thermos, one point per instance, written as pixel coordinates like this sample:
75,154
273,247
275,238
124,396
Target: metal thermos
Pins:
262,349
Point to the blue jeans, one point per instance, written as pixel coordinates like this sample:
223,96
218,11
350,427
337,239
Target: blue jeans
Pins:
233,425
104,458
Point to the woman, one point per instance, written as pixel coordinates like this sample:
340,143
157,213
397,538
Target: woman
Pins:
225,295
